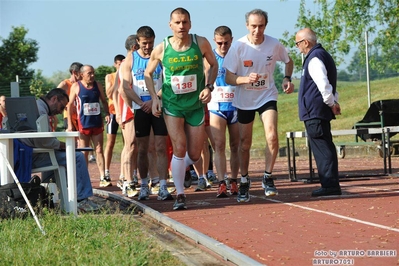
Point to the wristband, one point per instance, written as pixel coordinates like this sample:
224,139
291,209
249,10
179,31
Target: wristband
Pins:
288,77
209,86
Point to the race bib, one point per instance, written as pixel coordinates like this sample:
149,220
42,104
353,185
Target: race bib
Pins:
223,93
184,84
143,91
261,84
91,109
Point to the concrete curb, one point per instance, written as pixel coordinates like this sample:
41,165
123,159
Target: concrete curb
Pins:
221,249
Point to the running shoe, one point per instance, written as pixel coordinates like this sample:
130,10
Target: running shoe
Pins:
268,185
202,184
87,205
194,175
180,203
105,181
233,187
187,179
92,159
155,188
227,181
212,178
163,194
129,189
144,193
243,192
120,182
222,190
135,180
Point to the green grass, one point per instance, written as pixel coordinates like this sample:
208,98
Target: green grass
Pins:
353,101
87,240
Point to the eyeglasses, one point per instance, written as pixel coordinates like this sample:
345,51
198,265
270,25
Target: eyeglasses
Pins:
221,43
298,42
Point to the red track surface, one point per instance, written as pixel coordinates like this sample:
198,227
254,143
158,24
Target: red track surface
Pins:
294,228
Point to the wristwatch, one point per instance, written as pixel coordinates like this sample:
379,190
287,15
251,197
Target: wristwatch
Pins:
209,86
288,77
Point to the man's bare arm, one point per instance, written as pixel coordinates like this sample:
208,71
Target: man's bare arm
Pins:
211,71
155,59
125,90
109,86
72,95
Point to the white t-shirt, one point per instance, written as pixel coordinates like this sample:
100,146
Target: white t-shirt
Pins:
244,58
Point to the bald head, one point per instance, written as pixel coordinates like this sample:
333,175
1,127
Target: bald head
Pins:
307,34
305,40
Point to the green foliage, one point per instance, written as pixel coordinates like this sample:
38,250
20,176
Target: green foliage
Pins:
59,76
278,76
88,240
102,71
16,54
342,24
357,68
39,85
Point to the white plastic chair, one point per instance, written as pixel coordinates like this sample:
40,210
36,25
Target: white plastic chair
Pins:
59,174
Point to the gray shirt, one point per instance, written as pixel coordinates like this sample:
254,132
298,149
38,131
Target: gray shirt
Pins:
47,143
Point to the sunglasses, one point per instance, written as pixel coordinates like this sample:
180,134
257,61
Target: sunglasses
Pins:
221,43
298,42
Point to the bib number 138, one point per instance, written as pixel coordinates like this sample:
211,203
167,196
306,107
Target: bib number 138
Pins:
184,84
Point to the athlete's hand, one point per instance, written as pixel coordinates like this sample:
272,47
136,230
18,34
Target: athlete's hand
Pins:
288,87
147,106
156,107
253,77
205,95
107,119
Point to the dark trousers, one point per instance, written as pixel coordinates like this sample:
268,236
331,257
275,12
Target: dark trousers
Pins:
324,151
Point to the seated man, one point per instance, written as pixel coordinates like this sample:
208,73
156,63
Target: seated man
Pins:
54,103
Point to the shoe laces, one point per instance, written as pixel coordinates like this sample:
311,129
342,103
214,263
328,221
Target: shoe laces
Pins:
244,188
269,181
181,198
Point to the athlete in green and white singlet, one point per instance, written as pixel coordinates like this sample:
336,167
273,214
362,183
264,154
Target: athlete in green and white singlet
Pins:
184,77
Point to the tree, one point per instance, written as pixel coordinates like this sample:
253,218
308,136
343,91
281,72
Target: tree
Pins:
278,77
102,71
59,76
16,54
39,85
342,24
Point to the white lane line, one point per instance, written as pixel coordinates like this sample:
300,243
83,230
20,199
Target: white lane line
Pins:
371,188
334,214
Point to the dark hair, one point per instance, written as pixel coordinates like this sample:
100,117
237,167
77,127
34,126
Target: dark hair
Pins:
118,57
259,12
222,31
131,42
75,67
60,93
145,32
180,10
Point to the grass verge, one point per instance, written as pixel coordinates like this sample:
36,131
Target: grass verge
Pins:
99,239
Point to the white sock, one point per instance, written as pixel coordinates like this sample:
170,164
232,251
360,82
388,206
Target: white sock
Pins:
188,160
178,172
